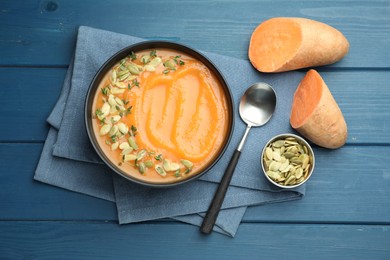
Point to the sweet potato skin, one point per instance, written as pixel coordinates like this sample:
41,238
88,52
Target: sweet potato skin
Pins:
321,45
325,125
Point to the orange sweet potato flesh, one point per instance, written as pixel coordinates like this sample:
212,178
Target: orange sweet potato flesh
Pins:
315,113
284,44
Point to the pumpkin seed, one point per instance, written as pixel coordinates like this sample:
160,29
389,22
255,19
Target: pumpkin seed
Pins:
288,155
169,64
278,144
284,165
124,76
155,62
131,77
149,67
268,153
305,162
175,166
167,165
292,149
124,145
127,151
289,179
113,110
149,164
132,143
105,129
274,175
160,170
141,154
187,164
113,130
145,59
117,90
301,179
114,146
274,166
133,68
129,157
113,76
298,173
276,155
120,85
119,101
105,110
286,169
296,160
291,142
122,72
141,167
123,128
111,100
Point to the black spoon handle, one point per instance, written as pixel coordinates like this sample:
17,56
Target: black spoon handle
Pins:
215,206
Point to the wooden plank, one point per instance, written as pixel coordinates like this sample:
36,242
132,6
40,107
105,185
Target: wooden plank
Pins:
344,188
23,198
27,96
43,32
69,240
348,185
34,92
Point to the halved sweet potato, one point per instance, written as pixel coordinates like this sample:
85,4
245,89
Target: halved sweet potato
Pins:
316,115
283,44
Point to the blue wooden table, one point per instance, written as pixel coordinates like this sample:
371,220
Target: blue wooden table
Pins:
346,211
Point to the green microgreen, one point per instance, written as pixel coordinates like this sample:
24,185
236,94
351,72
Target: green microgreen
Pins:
177,60
177,174
98,112
105,91
153,53
133,129
133,56
135,83
128,110
113,138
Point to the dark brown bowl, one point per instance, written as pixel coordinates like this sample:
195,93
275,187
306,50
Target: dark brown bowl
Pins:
94,86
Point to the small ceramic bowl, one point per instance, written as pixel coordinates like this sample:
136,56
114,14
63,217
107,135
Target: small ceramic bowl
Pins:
287,161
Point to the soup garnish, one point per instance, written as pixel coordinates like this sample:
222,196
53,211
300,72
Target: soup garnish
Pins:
160,115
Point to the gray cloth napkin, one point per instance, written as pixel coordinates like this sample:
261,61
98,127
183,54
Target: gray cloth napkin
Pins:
69,161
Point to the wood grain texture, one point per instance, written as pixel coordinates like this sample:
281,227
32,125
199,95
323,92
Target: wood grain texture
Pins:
43,32
27,97
22,198
347,190
345,213
69,240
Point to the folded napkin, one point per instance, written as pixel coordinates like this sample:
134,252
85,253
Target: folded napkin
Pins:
69,161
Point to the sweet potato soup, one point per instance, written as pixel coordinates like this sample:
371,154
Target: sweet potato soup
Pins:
160,115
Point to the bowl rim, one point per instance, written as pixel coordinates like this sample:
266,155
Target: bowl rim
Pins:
300,139
152,44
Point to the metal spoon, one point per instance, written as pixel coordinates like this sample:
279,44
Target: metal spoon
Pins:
256,108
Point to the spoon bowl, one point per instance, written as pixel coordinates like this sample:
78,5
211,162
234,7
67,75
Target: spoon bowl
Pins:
256,108
257,104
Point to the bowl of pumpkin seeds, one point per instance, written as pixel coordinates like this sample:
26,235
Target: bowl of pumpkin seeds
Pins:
287,161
